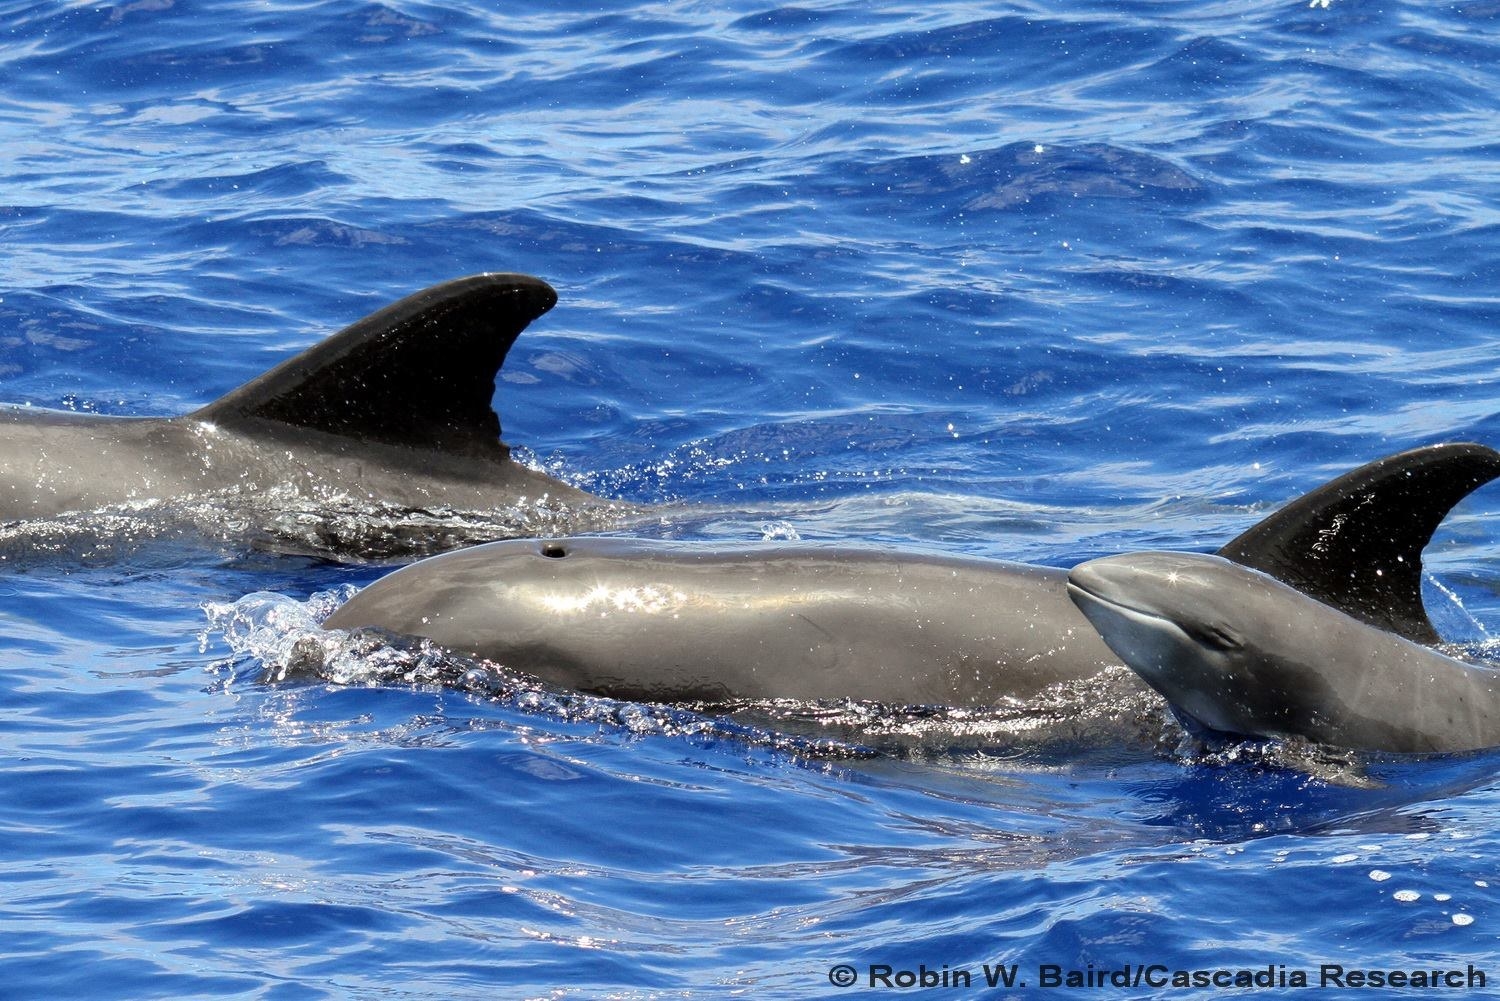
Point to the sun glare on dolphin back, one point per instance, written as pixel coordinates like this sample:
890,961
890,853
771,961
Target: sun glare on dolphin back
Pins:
651,599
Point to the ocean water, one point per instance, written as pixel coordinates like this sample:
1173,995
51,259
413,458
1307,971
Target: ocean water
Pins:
1033,281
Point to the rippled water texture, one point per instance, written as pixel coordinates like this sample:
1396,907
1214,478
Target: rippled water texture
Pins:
1041,282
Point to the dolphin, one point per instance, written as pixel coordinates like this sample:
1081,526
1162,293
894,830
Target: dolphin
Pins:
1236,651
392,413
682,622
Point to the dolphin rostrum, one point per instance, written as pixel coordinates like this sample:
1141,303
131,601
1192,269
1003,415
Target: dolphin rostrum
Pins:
390,414
691,622
1237,651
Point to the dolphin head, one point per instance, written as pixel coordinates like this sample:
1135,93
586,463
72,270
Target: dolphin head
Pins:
1204,632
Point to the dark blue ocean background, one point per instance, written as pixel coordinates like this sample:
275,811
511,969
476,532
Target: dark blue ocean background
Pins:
1034,281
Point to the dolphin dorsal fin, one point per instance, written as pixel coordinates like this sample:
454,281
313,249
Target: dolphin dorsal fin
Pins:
1356,542
420,372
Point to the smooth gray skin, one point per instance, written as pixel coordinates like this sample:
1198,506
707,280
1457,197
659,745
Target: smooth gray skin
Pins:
55,463
656,621
1238,651
393,411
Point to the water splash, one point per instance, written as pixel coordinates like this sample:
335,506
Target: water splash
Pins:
274,639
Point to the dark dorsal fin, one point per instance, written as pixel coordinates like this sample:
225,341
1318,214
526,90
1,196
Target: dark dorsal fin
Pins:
420,372
1356,543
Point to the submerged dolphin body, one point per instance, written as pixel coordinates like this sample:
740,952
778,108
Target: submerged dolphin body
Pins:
683,622
1237,651
392,413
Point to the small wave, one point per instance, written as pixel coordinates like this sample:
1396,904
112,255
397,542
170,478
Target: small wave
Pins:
291,523
1104,716
1019,175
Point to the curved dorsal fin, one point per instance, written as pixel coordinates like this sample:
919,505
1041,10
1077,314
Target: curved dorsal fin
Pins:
420,372
1356,542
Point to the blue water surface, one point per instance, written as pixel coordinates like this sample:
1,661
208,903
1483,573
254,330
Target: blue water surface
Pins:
1034,281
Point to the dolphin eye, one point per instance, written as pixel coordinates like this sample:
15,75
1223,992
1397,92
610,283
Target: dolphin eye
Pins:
1216,637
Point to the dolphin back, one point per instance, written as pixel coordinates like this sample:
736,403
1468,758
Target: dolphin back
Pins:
419,373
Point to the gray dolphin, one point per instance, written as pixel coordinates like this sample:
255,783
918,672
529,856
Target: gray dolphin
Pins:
392,412
672,622
1237,651
691,622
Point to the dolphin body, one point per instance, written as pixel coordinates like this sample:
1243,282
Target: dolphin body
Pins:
694,623
1237,651
682,622
392,412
